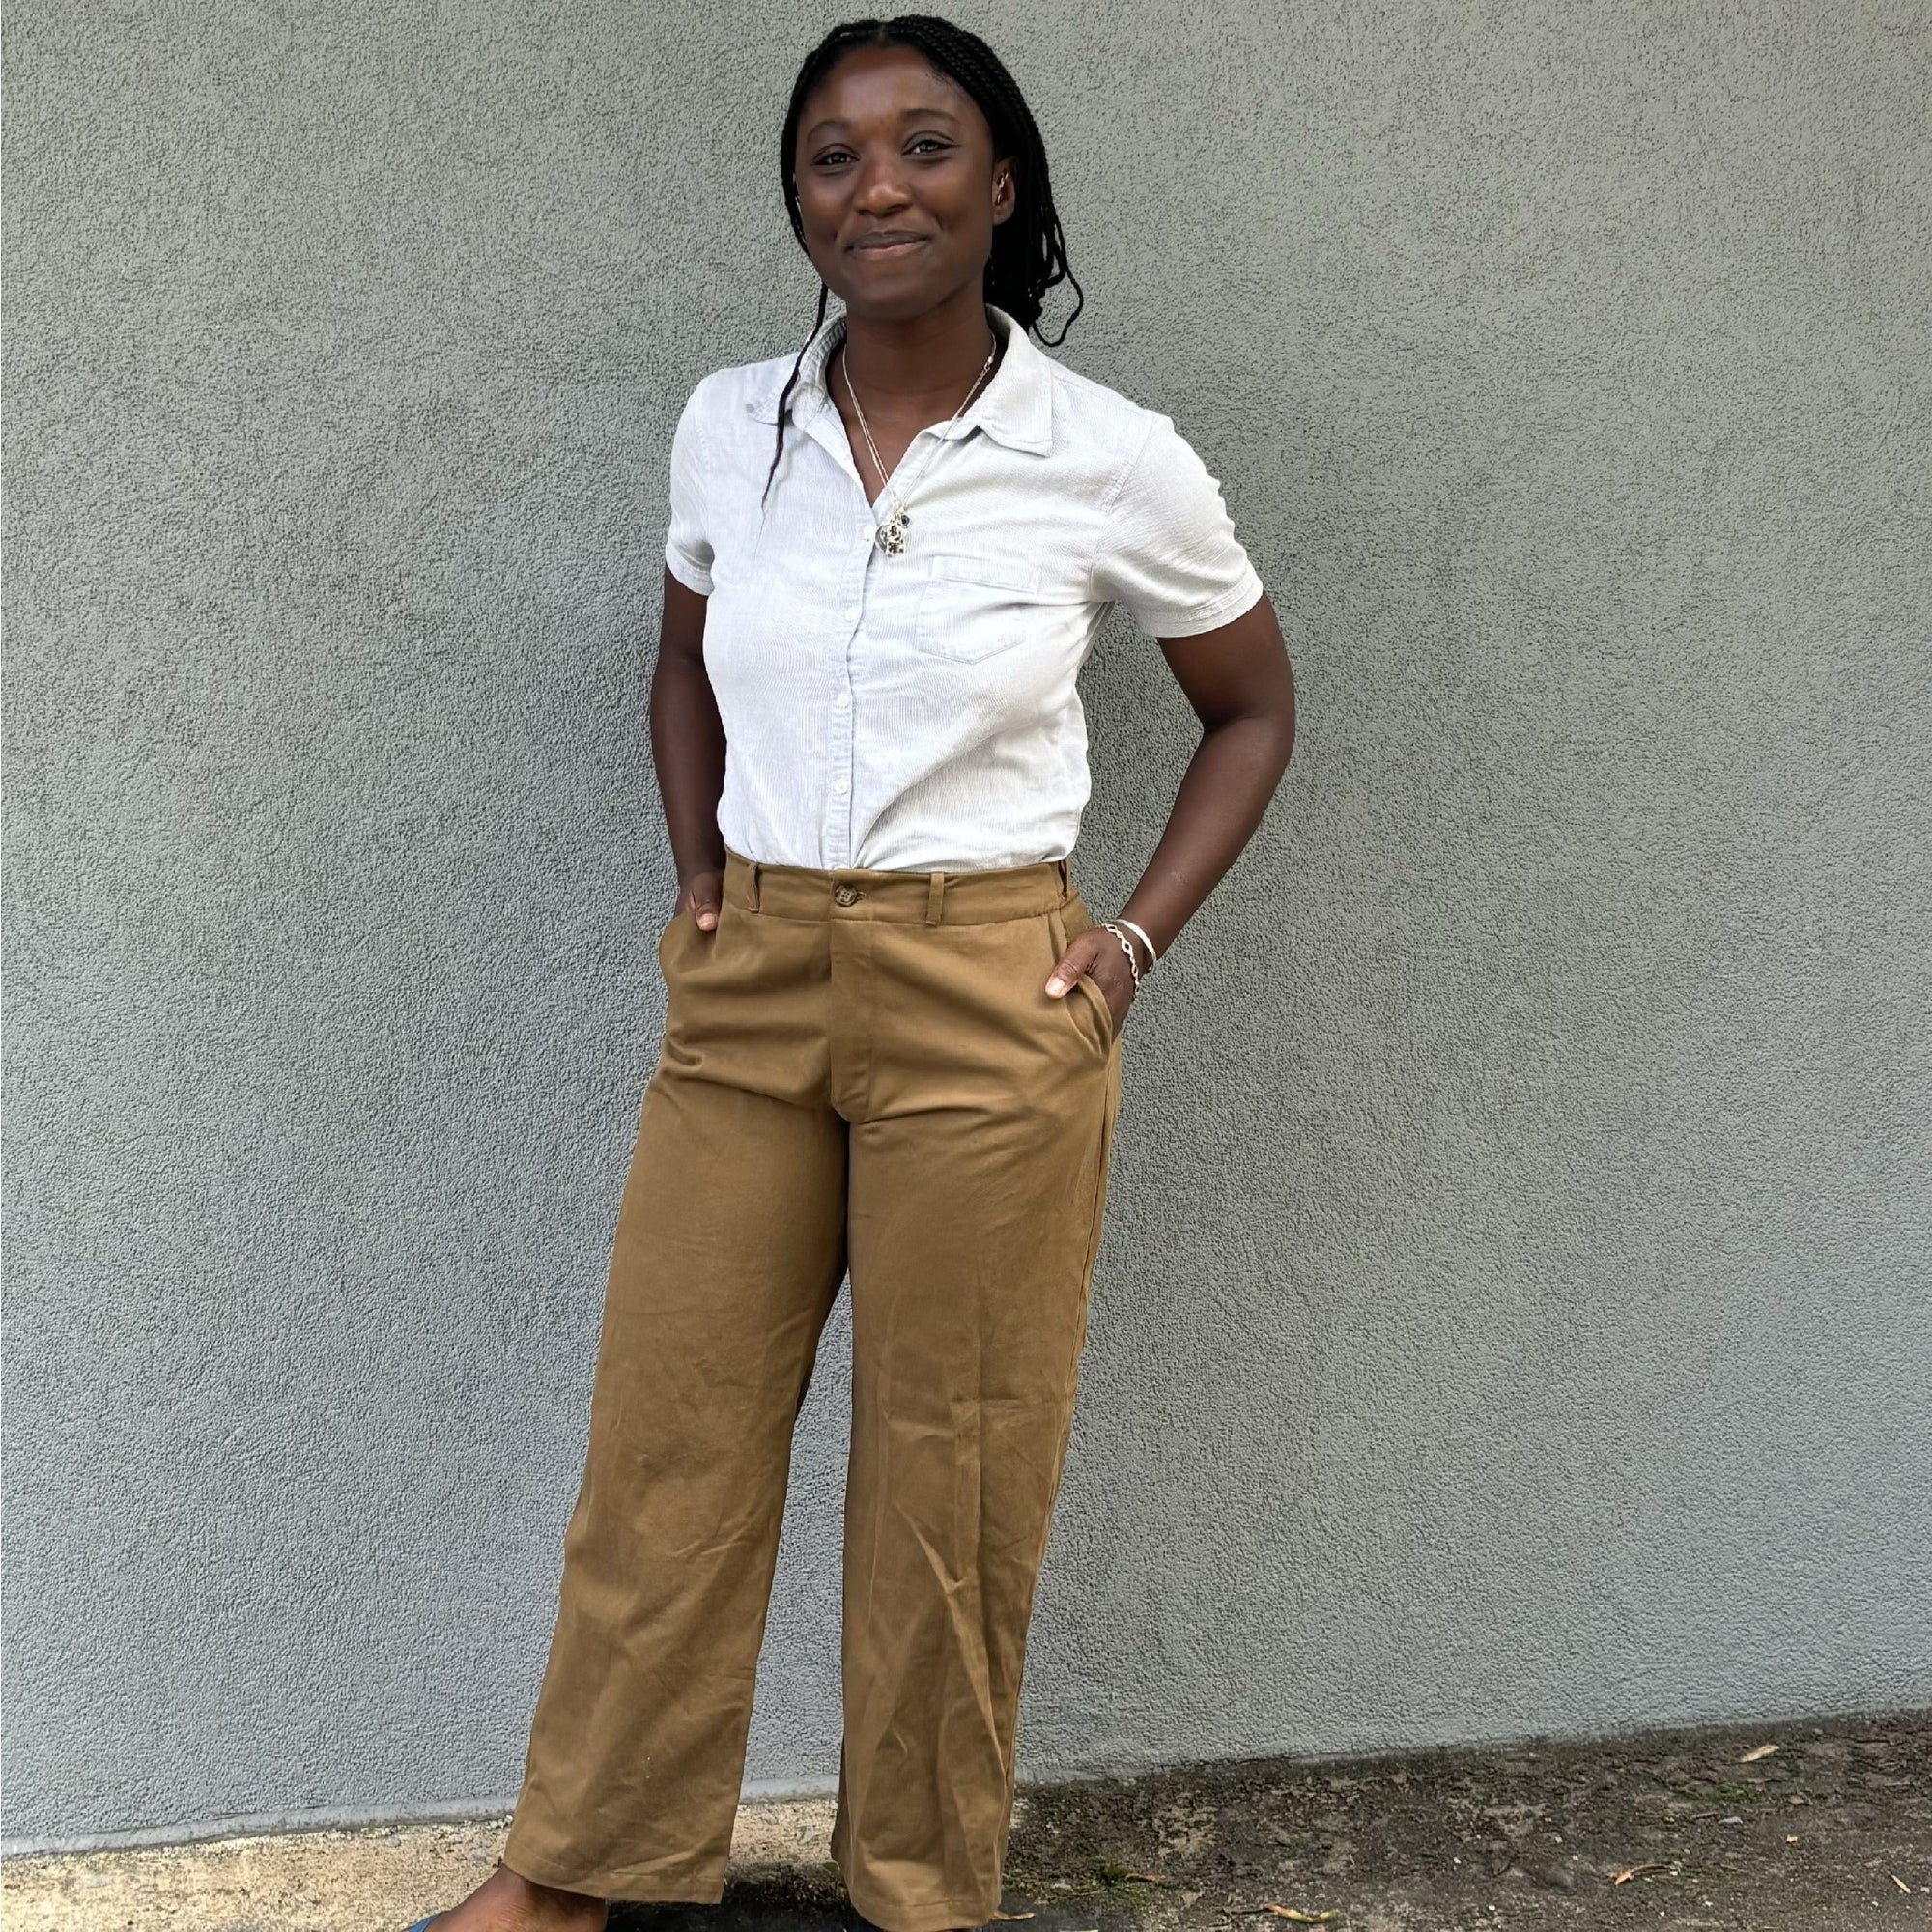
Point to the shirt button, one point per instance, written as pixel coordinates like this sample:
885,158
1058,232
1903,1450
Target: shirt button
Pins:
843,700
841,785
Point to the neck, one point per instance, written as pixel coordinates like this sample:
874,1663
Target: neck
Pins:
914,366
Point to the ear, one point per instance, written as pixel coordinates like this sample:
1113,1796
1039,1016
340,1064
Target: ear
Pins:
1006,191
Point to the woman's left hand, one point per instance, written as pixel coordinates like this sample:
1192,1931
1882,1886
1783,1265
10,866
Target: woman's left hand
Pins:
1096,954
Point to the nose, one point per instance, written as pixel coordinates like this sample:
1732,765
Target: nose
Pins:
881,185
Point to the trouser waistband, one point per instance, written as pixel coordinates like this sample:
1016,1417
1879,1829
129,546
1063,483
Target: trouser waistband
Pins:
938,899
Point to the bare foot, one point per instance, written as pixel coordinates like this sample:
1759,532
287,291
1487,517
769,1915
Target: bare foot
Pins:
508,1902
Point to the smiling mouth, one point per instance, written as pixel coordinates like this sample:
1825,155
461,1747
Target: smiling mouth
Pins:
904,245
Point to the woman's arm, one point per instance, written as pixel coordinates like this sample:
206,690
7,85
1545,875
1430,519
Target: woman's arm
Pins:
1239,681
688,743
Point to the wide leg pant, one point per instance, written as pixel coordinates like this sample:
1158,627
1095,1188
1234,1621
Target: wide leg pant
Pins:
860,1070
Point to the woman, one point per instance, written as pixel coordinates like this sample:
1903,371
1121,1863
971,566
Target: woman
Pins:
893,1041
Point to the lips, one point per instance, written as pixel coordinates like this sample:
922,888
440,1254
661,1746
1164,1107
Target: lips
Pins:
888,241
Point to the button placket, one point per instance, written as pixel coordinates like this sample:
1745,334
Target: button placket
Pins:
838,838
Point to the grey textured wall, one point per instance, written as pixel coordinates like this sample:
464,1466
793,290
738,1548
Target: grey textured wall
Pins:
1513,1310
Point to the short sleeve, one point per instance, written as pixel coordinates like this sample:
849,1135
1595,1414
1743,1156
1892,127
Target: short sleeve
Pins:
1169,553
688,550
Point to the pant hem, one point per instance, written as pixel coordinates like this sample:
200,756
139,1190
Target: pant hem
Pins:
653,1887
931,1914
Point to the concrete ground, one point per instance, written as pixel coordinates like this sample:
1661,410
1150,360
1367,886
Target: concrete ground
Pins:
1786,1828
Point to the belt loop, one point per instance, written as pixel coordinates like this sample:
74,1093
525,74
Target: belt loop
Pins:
935,891
757,868
1065,880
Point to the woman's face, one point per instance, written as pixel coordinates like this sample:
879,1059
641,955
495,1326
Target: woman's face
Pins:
898,188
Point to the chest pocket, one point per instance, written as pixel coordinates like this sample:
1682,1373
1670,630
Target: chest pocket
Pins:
972,608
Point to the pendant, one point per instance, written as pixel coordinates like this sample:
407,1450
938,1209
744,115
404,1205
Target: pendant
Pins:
891,534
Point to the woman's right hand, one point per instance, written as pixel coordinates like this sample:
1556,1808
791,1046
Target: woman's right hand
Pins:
702,894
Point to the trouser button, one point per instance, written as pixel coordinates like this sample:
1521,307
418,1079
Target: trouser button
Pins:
847,895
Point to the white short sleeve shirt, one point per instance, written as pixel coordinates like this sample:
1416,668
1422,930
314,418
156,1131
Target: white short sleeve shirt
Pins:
918,712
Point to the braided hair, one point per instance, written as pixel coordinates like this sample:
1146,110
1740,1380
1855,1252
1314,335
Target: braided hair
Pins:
1029,251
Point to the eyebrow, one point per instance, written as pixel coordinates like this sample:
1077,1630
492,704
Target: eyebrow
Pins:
826,127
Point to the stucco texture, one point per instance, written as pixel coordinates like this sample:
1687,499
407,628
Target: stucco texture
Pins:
1513,1311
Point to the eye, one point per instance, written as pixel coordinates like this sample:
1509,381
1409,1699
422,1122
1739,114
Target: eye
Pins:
932,141
829,156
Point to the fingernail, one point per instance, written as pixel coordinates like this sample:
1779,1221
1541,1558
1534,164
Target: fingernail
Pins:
1056,985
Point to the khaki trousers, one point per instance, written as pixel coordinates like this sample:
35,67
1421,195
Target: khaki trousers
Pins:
860,1070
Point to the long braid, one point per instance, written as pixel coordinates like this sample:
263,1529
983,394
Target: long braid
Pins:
1029,253
798,360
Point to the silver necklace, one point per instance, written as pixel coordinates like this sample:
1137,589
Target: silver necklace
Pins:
890,535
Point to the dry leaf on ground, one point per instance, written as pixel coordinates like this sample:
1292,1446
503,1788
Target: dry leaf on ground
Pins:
1636,1872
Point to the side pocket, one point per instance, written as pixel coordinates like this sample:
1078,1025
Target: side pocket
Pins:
1083,986
664,937
1102,1010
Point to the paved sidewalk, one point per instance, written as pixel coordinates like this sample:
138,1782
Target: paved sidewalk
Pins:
1822,1827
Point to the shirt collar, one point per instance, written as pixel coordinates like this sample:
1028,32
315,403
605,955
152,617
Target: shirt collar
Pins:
1015,407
